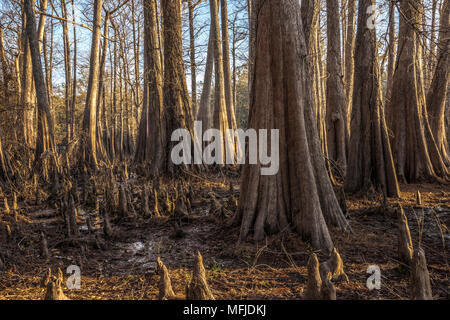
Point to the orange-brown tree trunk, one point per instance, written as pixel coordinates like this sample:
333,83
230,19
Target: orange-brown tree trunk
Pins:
300,194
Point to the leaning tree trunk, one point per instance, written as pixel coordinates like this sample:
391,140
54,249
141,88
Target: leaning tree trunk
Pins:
415,152
191,7
45,132
89,135
336,106
300,193
152,139
177,106
370,158
437,95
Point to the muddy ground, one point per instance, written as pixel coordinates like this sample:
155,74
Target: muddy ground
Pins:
124,267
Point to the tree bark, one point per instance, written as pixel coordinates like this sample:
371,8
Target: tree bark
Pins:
25,118
370,157
281,98
221,121
192,57
67,70
336,104
226,65
437,95
152,139
89,138
349,59
45,132
391,61
415,152
204,113
177,106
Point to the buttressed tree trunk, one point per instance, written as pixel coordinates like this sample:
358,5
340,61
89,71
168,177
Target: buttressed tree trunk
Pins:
336,102
416,155
437,95
45,132
89,135
300,193
152,140
177,106
370,158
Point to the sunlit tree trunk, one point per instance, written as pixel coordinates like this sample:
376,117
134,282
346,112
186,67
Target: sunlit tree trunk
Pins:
349,59
45,131
89,135
300,194
220,113
192,57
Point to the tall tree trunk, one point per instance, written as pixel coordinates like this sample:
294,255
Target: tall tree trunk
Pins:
220,114
26,99
89,135
416,155
74,85
101,105
281,98
227,65
67,70
227,74
152,139
336,104
192,57
437,95
370,160
45,131
349,59
391,61
204,113
176,98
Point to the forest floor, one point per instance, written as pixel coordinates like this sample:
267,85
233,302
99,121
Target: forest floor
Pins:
124,268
